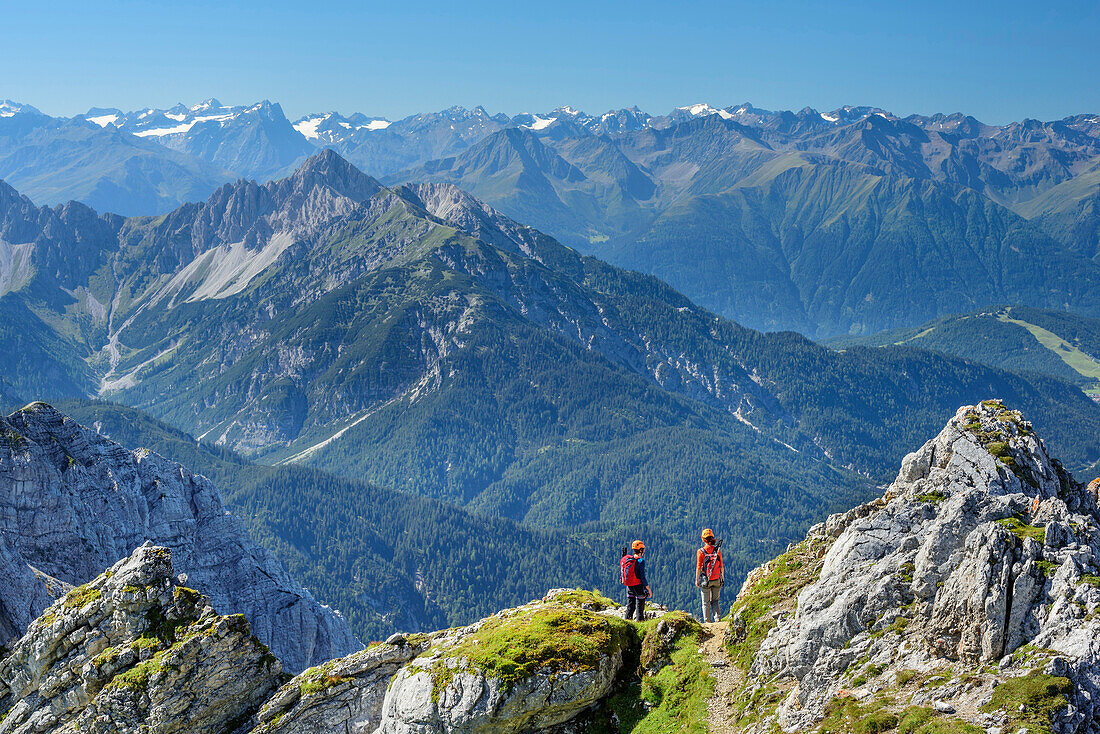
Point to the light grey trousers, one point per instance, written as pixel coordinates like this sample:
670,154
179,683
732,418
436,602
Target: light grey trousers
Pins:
710,594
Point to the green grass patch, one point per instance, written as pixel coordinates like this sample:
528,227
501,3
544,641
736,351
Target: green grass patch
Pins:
319,678
656,647
673,700
544,639
145,643
1078,361
138,676
1030,701
932,497
1022,530
923,720
907,676
848,716
592,600
1049,568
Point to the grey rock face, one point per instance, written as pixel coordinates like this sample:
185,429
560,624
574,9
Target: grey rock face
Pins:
430,683
423,700
73,503
22,594
976,559
343,695
133,652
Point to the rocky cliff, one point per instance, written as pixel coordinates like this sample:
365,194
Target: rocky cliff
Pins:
134,651
73,503
967,594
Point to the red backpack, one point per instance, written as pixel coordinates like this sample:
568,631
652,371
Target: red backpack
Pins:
629,572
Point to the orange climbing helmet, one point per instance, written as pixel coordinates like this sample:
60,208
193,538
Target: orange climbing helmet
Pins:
637,545
707,533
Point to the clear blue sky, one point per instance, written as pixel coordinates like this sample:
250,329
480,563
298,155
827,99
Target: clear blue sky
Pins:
997,60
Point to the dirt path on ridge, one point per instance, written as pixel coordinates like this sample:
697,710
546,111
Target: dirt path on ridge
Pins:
728,678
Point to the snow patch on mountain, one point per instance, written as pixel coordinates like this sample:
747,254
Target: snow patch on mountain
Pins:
702,109
9,108
308,126
540,122
103,120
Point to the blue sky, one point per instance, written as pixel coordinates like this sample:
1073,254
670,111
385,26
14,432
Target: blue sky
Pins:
997,60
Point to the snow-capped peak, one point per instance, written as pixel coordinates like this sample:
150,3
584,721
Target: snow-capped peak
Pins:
703,109
8,108
567,110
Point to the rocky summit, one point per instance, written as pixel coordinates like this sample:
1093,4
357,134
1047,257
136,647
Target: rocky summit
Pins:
73,503
967,594
135,651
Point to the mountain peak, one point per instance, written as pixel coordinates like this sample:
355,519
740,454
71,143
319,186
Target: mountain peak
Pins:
207,104
330,168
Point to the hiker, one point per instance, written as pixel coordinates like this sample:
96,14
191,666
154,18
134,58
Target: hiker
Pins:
709,575
632,566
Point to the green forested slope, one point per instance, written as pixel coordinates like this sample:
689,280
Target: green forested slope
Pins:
393,561
1055,343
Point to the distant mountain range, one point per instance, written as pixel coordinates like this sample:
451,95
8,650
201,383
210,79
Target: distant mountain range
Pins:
844,222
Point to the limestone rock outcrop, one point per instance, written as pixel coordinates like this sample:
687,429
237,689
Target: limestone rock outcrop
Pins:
532,668
134,651
969,589
73,503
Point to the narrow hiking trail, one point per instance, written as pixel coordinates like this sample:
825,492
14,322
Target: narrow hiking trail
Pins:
728,678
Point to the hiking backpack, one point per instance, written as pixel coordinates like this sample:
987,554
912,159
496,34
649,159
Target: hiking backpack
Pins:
709,561
628,567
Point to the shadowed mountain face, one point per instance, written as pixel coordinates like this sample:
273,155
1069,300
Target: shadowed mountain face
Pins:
74,502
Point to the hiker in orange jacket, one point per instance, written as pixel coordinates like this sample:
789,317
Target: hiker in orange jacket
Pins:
709,576
633,577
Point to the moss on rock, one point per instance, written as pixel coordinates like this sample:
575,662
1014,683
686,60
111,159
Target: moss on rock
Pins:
547,638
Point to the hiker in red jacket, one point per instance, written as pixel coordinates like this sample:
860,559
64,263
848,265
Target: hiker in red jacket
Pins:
709,576
632,566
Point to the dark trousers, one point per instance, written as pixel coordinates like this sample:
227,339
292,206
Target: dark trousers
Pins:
635,603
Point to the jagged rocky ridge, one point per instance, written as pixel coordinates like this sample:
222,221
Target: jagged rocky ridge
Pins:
73,502
967,592
135,651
